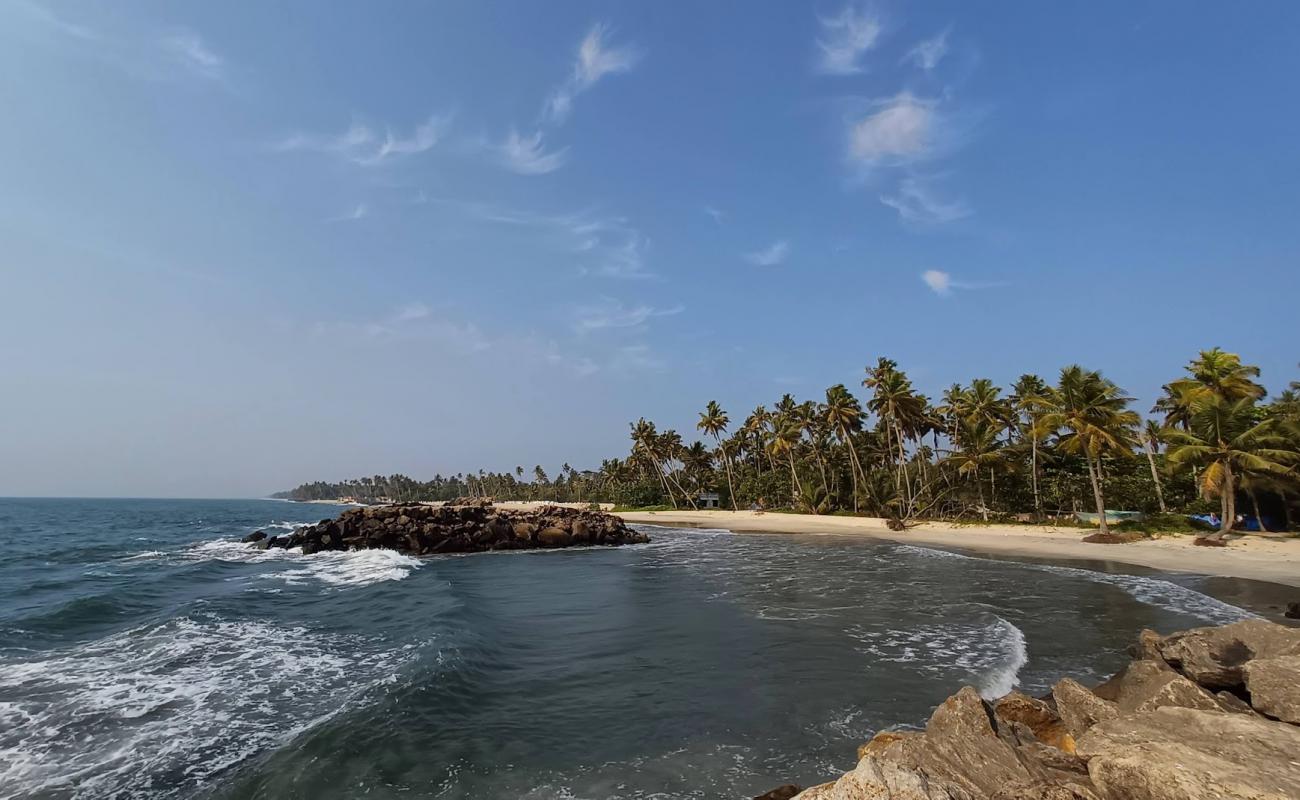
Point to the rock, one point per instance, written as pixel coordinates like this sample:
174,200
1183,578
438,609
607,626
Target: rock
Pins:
1036,715
524,530
260,544
1274,686
1044,790
1233,704
883,740
255,536
554,537
1079,708
1214,657
1188,754
784,792
1113,537
880,779
1147,685
1209,541
1292,611
1147,646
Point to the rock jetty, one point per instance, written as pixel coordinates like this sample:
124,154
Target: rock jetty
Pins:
463,527
1206,714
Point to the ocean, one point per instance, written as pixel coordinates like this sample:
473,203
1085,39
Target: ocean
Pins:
144,653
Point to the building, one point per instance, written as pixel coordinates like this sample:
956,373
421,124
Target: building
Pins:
707,499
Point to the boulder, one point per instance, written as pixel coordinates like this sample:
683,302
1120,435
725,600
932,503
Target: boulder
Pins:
1147,685
1292,611
1038,716
554,537
881,779
1188,754
1214,657
884,739
784,792
1274,686
1079,708
255,536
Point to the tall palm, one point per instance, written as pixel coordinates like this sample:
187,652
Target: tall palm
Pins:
980,451
1090,416
844,415
1227,441
1027,396
645,441
784,441
1213,372
713,421
1151,433
897,406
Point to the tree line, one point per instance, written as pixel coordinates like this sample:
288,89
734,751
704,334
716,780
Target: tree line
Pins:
1212,444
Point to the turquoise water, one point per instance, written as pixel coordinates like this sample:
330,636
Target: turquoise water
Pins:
144,653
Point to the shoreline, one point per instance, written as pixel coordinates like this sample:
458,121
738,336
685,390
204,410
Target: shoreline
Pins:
1275,561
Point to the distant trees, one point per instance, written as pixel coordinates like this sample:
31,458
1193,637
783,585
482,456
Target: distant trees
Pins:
978,452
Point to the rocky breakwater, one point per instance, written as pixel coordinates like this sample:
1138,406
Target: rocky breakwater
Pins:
1207,714
466,527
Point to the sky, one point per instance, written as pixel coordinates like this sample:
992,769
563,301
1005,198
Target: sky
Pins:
249,245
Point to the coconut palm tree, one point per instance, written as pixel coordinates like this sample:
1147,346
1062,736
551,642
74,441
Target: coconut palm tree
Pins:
1091,418
1151,444
713,421
784,441
1227,441
645,441
844,415
898,408
980,450
1027,396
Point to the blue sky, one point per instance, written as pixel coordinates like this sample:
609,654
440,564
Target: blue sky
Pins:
247,245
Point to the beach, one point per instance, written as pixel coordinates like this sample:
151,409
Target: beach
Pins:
1249,557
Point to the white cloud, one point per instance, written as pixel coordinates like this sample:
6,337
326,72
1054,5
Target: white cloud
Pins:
609,313
636,358
595,60
526,155
917,203
845,38
362,145
770,256
717,215
939,281
412,312
190,51
900,131
929,53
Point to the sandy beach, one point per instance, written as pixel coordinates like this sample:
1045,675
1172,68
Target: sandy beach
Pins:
1250,557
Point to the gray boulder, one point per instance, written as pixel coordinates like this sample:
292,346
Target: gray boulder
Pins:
1274,686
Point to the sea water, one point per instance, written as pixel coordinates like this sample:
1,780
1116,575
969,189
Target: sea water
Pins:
145,653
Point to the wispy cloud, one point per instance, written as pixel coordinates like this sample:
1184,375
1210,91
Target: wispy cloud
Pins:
526,155
608,313
942,283
636,359
595,59
900,130
45,15
844,39
412,312
928,53
770,256
716,214
191,52
361,211
917,203
361,144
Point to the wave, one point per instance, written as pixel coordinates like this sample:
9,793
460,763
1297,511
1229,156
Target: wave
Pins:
338,568
989,654
1145,589
172,704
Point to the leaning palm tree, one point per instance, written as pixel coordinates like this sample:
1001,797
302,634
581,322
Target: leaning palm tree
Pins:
645,442
1226,440
1151,433
898,408
1027,395
1091,418
844,415
784,441
713,421
980,451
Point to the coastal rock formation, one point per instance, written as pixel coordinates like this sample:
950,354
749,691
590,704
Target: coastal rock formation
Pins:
1209,713
454,528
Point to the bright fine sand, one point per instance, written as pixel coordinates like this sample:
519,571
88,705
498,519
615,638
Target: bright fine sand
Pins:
1251,557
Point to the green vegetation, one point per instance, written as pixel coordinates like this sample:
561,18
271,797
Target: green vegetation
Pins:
1043,451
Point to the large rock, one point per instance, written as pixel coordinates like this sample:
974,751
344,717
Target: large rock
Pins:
1214,657
1036,715
1148,685
1079,708
881,779
784,792
1188,754
1274,686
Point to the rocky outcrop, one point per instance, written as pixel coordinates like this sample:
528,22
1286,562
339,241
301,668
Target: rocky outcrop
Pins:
1209,713
454,528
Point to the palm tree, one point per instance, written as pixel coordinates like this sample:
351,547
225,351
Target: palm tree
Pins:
980,449
645,440
1151,444
1212,372
844,415
1094,414
713,421
1226,439
784,441
898,407
1027,396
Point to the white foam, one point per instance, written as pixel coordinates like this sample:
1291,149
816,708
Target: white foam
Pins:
337,568
988,654
184,699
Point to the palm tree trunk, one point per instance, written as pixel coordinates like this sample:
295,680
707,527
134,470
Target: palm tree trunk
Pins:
726,462
1229,500
1096,491
795,486
1254,502
1033,446
979,486
1155,476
